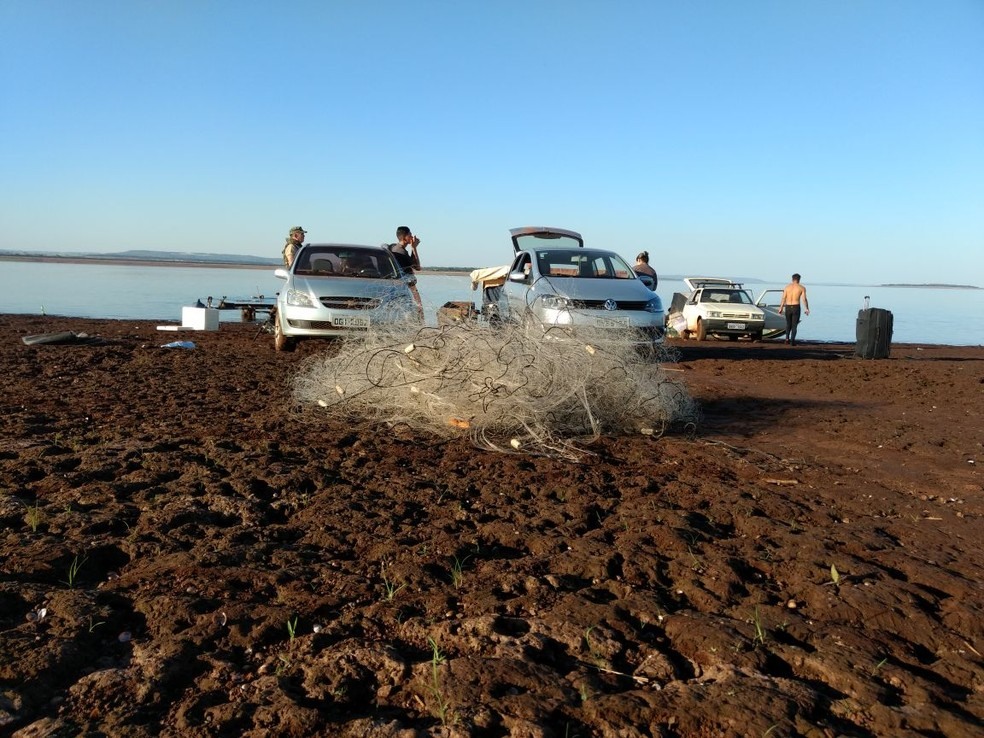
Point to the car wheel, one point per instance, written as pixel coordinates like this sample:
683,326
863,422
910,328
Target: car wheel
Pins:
756,338
280,341
701,331
733,337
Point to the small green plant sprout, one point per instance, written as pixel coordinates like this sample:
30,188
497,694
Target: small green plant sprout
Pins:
93,626
34,517
73,569
759,629
441,704
284,666
339,692
457,575
697,565
835,576
292,629
596,655
879,665
390,589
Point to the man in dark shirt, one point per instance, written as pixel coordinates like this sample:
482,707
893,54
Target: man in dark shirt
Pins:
405,252
405,249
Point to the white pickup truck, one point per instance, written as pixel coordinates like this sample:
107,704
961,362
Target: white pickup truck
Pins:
721,307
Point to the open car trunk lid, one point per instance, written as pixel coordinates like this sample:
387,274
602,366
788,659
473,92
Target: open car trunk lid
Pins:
527,238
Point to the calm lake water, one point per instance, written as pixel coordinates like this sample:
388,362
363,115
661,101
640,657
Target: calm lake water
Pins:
921,315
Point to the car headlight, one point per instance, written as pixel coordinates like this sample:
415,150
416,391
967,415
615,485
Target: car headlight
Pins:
299,299
713,314
654,306
555,302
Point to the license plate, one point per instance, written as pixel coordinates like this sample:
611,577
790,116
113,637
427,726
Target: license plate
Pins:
612,322
736,326
350,321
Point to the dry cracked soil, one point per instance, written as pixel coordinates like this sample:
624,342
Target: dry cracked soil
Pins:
186,553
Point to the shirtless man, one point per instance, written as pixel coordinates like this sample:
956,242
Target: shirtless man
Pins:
792,294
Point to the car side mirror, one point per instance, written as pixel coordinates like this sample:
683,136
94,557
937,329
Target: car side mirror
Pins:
647,280
280,273
517,276
410,279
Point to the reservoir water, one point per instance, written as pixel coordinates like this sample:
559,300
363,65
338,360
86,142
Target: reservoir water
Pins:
921,314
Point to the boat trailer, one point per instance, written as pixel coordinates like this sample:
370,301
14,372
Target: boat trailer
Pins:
247,308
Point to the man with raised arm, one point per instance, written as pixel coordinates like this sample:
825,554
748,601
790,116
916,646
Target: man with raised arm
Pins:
405,252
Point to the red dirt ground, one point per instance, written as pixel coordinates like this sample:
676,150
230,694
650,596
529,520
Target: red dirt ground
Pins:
185,553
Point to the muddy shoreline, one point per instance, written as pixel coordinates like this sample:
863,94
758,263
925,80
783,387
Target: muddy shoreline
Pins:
185,551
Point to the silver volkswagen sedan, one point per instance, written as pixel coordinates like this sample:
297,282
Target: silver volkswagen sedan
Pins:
337,290
561,286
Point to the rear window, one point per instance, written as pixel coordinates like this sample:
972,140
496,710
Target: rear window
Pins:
729,296
582,264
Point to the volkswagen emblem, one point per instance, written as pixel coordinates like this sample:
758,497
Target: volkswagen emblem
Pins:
611,305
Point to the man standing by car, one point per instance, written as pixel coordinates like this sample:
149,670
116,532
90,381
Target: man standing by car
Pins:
792,294
295,239
405,249
642,267
405,253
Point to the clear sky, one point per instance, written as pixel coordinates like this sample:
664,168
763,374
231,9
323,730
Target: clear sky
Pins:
843,139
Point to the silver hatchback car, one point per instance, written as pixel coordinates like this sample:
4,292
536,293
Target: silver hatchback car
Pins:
337,290
558,284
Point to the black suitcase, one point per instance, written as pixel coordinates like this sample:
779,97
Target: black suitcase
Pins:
874,333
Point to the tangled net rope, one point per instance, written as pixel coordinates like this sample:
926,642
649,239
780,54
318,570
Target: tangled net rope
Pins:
511,389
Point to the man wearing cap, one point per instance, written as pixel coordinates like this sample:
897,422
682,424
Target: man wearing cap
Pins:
295,239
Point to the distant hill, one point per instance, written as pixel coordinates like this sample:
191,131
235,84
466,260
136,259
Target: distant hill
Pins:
171,257
181,257
192,257
150,255
935,286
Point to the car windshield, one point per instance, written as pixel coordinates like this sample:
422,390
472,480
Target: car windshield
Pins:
725,295
582,264
347,261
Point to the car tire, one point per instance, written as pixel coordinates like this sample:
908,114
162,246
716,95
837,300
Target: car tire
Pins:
733,337
701,330
280,341
756,338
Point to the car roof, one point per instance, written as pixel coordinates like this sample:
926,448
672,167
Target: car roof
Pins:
344,246
545,232
696,283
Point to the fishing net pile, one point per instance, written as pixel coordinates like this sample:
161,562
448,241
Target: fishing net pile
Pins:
509,388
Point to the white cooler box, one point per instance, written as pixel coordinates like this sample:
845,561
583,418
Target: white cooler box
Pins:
200,319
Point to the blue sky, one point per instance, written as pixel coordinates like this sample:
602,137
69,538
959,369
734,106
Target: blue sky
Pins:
843,139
